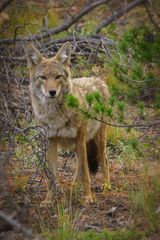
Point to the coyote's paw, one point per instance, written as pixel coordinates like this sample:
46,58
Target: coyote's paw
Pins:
106,187
89,198
48,201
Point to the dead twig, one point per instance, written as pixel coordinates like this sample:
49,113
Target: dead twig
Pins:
79,44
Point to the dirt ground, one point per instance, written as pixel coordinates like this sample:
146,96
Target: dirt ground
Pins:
110,210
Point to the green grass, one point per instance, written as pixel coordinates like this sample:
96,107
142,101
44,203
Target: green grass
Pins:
110,235
145,202
67,234
66,228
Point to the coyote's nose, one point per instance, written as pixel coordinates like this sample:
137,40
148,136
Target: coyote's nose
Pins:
52,93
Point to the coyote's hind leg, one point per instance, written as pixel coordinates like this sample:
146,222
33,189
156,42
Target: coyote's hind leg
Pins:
100,140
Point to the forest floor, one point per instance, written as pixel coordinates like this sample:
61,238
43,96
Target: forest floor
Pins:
113,210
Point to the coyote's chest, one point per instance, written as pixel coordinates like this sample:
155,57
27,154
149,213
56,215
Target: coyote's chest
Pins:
61,122
57,121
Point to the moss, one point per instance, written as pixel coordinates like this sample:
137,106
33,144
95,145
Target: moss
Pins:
28,19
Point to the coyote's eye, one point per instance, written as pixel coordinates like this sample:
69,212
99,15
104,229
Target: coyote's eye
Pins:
43,77
58,76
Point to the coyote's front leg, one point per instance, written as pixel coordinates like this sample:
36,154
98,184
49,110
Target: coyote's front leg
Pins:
52,166
83,171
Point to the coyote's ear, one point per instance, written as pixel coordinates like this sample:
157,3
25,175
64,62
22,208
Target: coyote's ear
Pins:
33,56
64,54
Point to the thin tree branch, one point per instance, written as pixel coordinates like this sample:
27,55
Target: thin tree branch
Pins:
63,27
4,4
15,224
120,13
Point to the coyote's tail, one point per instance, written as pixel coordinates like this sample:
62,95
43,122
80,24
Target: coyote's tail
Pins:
92,156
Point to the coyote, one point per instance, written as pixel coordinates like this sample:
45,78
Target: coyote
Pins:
66,127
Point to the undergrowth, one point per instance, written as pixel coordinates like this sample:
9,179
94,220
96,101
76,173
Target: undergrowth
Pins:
133,77
66,230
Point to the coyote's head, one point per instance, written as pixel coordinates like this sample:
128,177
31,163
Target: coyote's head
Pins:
49,77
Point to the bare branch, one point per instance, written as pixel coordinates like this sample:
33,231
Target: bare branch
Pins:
14,224
63,27
78,44
120,13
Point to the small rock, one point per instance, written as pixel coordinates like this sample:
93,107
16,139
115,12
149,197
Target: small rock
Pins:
112,211
158,210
